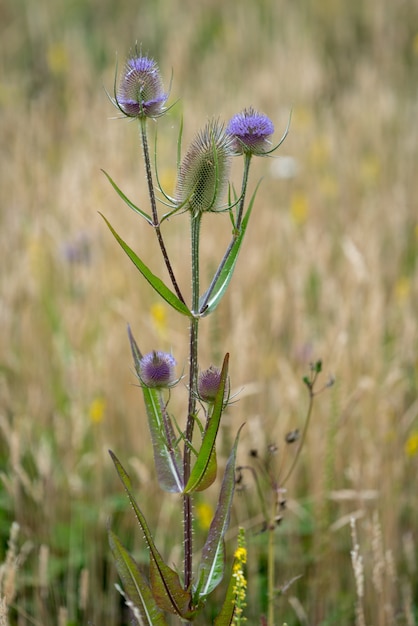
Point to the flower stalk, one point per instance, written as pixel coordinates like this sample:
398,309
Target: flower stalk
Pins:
153,203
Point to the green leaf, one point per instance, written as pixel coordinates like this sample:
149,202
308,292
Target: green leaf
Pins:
130,204
167,456
226,615
227,270
135,585
155,282
204,470
165,583
212,565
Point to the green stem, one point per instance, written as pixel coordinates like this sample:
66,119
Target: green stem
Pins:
270,568
247,161
155,220
302,439
235,233
191,411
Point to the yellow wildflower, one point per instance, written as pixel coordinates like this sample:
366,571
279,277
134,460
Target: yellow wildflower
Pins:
240,582
402,288
204,515
159,319
299,208
57,59
411,445
241,555
97,409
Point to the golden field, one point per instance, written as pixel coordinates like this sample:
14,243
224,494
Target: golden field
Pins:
329,271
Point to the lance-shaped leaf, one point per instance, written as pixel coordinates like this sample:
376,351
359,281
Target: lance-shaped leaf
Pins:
165,582
212,565
167,455
130,204
155,282
227,612
204,470
135,585
211,298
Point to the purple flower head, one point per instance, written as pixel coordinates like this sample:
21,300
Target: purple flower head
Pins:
251,132
204,171
141,92
157,369
208,384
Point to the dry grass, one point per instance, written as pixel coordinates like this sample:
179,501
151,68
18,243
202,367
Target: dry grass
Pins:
329,271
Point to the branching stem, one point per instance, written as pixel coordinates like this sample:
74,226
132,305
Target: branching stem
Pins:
235,233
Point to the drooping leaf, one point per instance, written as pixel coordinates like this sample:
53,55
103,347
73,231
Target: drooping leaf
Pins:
206,305
165,582
130,204
204,470
135,585
167,455
212,565
155,282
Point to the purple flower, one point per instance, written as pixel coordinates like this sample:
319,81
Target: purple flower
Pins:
204,170
208,384
251,132
157,369
141,92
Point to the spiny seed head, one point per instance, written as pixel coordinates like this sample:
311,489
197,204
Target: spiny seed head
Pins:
141,92
157,369
250,132
204,171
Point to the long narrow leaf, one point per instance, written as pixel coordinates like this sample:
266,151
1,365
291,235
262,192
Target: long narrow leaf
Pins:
167,455
227,271
226,615
135,586
212,565
165,582
204,472
130,204
155,282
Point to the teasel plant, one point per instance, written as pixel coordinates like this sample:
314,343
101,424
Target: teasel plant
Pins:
181,466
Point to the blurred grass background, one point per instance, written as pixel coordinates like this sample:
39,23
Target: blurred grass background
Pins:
329,271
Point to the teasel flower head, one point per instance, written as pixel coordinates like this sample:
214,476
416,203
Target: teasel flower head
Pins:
250,132
156,369
141,93
208,385
204,171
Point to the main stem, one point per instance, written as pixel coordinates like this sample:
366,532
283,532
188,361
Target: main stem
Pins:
191,410
155,220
